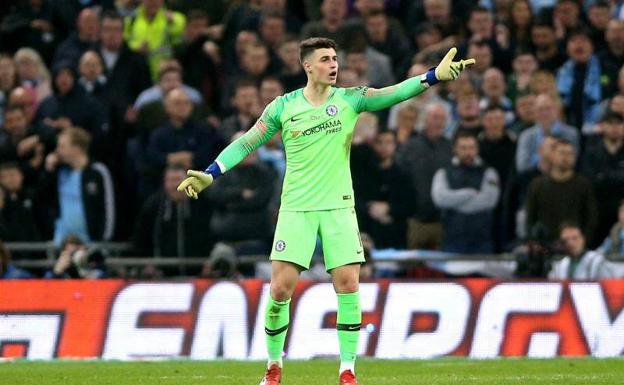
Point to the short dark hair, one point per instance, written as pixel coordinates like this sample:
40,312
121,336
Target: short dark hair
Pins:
464,134
493,107
308,46
9,166
14,108
197,14
569,225
112,15
245,82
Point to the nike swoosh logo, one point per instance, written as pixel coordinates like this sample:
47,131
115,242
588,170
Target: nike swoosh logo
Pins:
354,327
294,120
360,252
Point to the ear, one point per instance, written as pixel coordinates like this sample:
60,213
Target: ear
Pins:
307,66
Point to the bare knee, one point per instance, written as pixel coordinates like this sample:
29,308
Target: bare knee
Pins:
281,291
346,286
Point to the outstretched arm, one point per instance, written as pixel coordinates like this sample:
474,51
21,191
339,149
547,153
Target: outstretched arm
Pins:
372,99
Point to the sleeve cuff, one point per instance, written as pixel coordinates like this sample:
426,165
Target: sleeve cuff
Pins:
430,77
215,169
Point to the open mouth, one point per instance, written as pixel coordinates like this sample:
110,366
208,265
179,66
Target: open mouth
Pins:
333,74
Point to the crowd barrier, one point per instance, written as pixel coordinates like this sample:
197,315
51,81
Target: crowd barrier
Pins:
208,319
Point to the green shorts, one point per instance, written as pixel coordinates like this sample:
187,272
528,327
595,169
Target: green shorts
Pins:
296,233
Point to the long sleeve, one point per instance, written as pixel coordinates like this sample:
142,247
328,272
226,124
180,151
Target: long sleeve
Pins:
446,198
523,152
487,196
372,99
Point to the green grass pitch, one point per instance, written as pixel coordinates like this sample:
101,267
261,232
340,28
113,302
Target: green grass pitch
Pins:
446,371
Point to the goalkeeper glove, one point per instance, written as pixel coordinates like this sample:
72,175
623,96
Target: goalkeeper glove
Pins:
448,69
197,181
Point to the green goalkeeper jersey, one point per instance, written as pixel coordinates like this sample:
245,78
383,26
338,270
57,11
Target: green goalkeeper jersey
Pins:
317,142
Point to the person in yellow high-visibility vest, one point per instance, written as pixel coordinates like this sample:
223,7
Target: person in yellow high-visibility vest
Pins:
154,30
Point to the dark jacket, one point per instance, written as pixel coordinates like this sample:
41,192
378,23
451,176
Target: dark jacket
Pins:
71,49
18,220
98,200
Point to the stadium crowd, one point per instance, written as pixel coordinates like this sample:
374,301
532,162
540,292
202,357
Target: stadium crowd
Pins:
104,105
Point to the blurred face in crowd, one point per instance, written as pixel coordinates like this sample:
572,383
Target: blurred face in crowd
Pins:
546,150
173,177
64,81
15,122
543,82
90,66
546,110
152,6
599,16
256,60
525,64
482,53
481,24
178,105
243,40
195,28
543,37
428,38
525,108
567,12
334,10
407,117
385,145
66,150
494,83
7,73
564,157
357,62
494,124
466,149
169,81
573,240
617,104
289,54
88,25
437,11
11,179
580,48
613,130
366,6
111,34
272,30
377,28
468,107
25,99
615,35
27,68
269,90
349,78
435,121
246,100
521,13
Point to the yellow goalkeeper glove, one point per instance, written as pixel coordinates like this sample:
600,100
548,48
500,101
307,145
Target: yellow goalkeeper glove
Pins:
448,69
195,183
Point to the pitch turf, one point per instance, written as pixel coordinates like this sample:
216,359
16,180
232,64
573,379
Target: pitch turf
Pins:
447,371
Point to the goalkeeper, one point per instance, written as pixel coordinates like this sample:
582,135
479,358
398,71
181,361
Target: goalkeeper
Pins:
317,124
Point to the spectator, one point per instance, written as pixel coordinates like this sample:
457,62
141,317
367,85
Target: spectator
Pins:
560,196
272,28
579,263
603,164
483,55
291,74
92,79
480,28
378,72
241,216
76,260
8,81
383,199
547,52
83,39
546,123
497,146
171,225
407,118
525,113
566,18
182,141
579,82
613,245
254,65
69,106
420,157
468,113
25,100
246,102
32,74
493,90
7,269
598,17
77,192
169,77
270,88
466,192
520,24
524,66
382,38
612,56
154,31
438,12
18,206
331,24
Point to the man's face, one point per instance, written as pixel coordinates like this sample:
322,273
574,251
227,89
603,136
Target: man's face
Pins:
615,35
178,105
269,90
613,130
322,66
494,123
90,66
24,99
435,121
334,9
580,48
481,24
543,37
195,28
169,81
65,149
15,122
493,83
377,28
483,57
289,53
7,69
173,177
437,11
546,110
525,64
111,34
525,108
385,145
64,81
599,17
88,24
574,241
272,30
547,149
468,107
256,60
466,149
407,117
243,40
564,157
246,99
567,12
11,179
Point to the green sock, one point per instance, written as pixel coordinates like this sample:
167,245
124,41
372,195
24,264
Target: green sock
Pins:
276,318
348,324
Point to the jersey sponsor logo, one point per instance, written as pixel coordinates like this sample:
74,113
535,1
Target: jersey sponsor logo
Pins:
331,110
330,127
280,245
